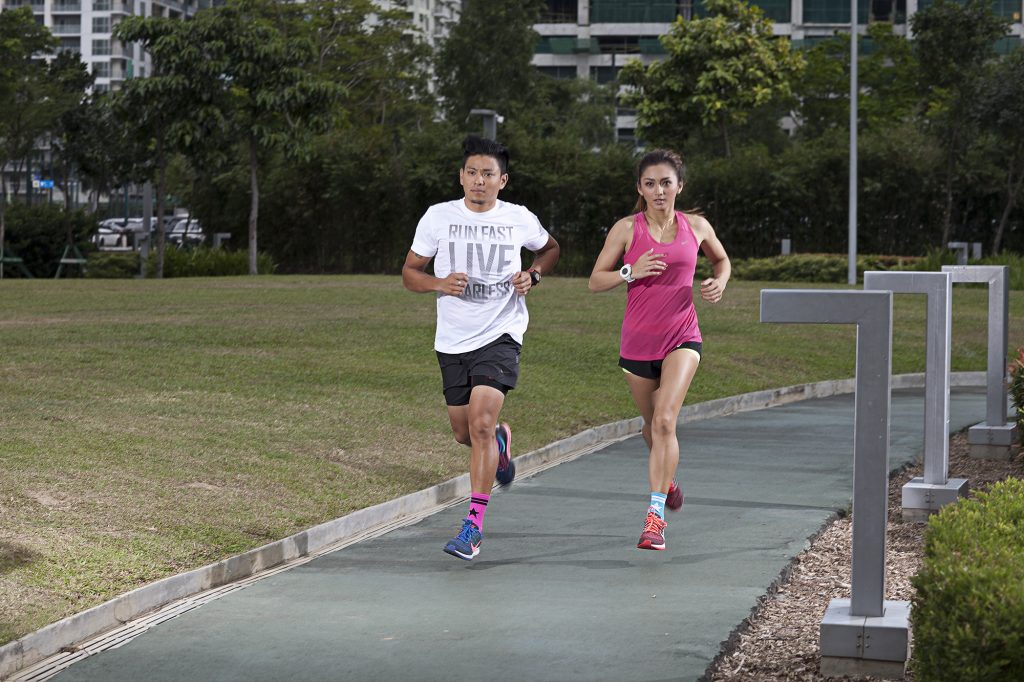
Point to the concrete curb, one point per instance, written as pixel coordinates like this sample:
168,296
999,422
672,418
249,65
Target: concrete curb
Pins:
63,635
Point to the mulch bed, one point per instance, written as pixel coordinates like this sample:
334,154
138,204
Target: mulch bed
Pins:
779,641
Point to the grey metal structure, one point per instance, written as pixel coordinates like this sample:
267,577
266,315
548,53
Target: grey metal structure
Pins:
961,251
923,495
866,629
491,120
994,436
787,247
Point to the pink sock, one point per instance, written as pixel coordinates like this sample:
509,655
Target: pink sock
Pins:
477,508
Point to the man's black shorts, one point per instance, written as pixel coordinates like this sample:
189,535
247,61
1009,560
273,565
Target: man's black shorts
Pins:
495,365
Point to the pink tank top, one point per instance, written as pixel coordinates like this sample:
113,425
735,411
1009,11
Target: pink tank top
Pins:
659,310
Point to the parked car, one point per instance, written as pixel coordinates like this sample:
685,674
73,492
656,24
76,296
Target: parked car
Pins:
112,236
184,232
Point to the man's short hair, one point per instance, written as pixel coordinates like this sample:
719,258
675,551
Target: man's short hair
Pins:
474,145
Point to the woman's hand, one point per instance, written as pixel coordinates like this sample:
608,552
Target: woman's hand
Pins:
711,290
649,264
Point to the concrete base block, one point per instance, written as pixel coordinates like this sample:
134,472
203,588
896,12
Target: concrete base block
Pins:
833,666
922,499
1003,452
877,642
1000,434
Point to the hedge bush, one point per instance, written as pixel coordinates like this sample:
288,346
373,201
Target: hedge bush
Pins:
968,613
206,262
806,267
117,265
38,234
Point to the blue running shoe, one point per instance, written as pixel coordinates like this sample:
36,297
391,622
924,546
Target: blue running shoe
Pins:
506,472
466,544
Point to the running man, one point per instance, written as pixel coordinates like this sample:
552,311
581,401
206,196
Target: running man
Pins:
475,243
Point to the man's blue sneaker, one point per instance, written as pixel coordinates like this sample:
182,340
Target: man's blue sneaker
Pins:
506,467
466,544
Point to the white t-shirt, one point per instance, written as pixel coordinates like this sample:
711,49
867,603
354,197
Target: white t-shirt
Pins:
487,247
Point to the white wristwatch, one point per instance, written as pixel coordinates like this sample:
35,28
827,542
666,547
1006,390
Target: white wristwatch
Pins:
626,273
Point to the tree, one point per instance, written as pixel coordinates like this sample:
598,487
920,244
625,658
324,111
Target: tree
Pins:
25,111
184,70
718,69
274,99
486,60
999,108
952,43
70,135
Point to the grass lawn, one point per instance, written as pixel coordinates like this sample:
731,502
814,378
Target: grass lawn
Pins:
150,427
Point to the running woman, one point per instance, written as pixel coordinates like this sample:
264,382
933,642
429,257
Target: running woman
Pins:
661,342
475,243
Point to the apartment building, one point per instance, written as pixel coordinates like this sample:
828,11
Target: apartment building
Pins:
431,18
85,26
595,38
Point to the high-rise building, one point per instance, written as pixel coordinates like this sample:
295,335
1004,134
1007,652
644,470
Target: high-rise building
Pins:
85,26
431,18
595,38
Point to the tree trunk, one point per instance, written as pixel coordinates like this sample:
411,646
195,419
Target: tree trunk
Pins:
947,211
161,178
725,135
254,205
66,189
3,221
1013,188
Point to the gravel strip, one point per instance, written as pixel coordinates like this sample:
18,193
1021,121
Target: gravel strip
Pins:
779,641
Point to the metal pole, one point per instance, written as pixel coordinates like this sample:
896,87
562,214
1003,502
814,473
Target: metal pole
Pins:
851,275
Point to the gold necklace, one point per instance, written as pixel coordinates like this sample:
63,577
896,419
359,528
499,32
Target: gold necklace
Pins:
661,228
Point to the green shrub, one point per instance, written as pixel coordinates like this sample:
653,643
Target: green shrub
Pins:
38,234
968,613
106,265
1017,390
207,262
806,267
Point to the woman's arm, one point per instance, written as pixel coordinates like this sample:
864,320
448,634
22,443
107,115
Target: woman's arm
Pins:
712,288
606,275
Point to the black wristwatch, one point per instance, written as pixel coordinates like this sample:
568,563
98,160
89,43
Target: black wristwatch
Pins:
534,278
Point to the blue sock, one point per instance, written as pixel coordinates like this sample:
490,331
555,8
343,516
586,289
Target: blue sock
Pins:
658,504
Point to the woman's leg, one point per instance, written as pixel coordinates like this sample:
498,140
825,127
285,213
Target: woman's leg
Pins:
677,372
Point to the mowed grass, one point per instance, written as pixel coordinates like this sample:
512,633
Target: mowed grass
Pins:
151,427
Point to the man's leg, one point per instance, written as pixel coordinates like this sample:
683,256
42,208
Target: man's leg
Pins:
485,403
476,423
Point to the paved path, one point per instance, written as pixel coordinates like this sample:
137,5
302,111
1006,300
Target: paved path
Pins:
559,591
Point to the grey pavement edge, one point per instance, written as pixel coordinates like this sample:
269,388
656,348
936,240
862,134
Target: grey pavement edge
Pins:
63,641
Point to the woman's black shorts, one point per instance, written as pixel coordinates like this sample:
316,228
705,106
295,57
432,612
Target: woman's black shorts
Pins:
651,369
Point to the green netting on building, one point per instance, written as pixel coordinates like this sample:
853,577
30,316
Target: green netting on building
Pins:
776,10
1008,9
834,11
1008,44
633,11
556,45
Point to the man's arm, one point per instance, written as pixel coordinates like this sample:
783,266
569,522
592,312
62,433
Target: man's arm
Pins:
415,277
544,260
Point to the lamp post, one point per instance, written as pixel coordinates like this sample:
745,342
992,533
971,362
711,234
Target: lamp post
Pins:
852,226
491,120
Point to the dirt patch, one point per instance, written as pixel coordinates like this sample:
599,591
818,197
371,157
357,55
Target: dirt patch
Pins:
779,641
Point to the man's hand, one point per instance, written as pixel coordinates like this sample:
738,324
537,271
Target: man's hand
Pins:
454,284
522,282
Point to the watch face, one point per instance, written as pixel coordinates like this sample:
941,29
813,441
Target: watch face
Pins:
534,277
